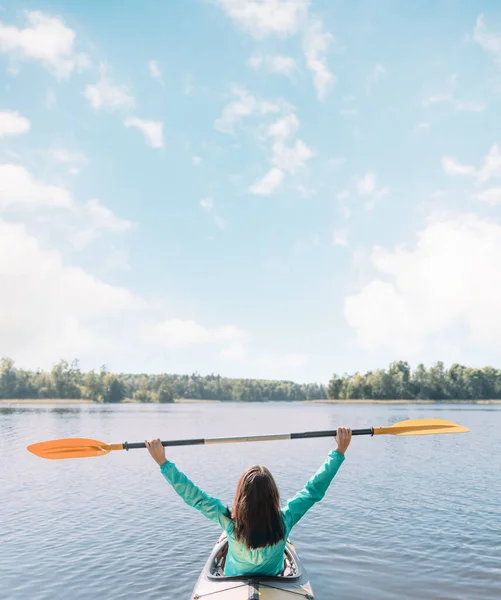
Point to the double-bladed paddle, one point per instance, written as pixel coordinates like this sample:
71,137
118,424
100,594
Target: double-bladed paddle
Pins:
83,447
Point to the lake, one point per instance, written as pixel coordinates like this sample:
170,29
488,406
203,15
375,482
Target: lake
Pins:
408,517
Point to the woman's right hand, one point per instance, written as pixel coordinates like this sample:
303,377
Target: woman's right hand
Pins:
343,439
157,451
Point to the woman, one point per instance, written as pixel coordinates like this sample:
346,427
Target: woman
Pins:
256,527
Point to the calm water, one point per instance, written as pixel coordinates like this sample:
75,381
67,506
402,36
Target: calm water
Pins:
414,518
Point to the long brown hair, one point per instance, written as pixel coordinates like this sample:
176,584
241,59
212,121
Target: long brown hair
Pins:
256,511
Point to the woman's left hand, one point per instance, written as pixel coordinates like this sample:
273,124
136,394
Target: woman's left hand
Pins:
157,451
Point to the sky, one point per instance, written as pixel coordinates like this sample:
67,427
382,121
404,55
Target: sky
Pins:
278,189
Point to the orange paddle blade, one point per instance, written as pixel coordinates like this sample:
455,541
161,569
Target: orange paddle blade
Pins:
421,427
72,448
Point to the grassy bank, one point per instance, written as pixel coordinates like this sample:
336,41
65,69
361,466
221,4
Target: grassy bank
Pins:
198,401
370,401
84,401
47,401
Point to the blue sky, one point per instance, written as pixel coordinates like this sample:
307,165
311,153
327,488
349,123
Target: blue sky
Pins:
262,188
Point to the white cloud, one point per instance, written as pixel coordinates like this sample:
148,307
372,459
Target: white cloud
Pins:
46,39
103,219
340,237
18,189
49,309
220,222
22,194
283,158
452,167
316,42
490,42
152,130
284,128
269,183
282,65
196,160
178,333
154,70
245,105
207,203
492,196
262,18
89,222
367,185
108,96
450,281
490,168
372,201
13,123
290,159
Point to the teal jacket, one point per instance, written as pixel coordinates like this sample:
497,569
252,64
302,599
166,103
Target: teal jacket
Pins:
254,561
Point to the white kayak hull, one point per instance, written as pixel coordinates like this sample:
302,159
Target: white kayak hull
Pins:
212,584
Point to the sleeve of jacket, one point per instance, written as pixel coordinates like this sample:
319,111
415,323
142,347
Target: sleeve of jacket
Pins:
210,507
313,491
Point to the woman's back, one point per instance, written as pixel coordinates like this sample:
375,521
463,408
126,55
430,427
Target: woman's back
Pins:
242,558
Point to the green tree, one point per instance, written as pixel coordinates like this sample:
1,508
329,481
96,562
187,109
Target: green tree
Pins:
94,386
145,396
334,387
66,379
8,378
114,390
165,393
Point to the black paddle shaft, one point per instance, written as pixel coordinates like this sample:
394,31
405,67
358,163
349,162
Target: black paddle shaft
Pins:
255,438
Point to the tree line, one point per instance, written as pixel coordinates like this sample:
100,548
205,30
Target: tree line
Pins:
68,381
399,382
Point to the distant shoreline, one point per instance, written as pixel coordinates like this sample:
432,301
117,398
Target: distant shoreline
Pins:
201,401
84,401
369,401
48,401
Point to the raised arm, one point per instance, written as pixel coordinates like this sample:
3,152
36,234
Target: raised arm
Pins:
210,507
316,487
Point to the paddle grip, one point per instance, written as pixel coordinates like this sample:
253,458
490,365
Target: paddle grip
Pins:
329,433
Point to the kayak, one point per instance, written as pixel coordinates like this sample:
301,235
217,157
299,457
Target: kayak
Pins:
292,584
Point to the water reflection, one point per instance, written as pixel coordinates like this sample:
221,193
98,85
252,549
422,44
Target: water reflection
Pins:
66,410
12,410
